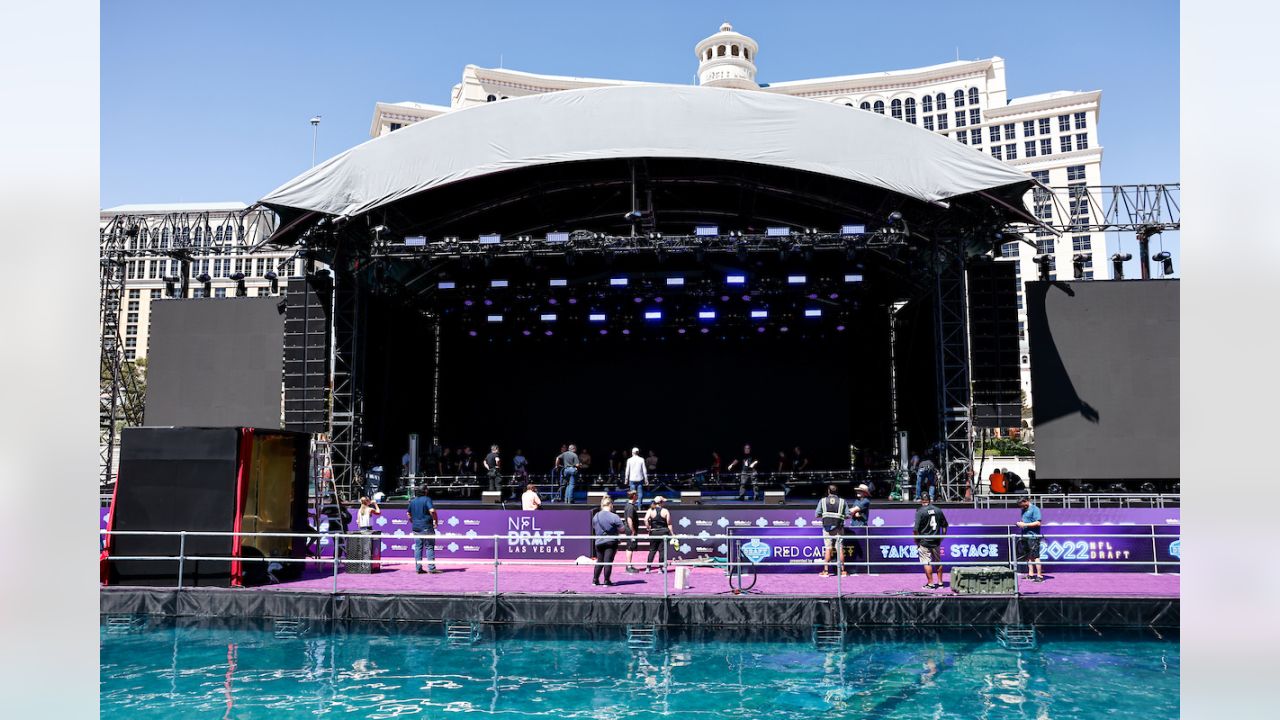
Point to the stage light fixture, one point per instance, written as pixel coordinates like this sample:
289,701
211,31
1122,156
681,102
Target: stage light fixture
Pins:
207,281
672,281
494,318
547,317
1054,489
596,317
559,282
241,290
275,281
1043,261
853,229
557,237
853,278
415,241
490,239
840,328
895,217
706,314
735,279
169,282
759,314
378,230
777,231
653,315
446,285
1166,262
635,216
498,283
706,230
1117,265
618,282
655,236
813,312
796,279
1077,265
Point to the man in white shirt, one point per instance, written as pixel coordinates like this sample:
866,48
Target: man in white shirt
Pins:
636,475
530,500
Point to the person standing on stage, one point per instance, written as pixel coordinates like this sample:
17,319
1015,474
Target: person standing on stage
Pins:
784,463
930,527
651,463
364,516
557,470
860,512
615,463
799,462
636,475
446,462
422,516
520,465
1029,542
926,478
605,526
569,463
631,514
747,475
530,500
832,511
493,466
467,462
657,521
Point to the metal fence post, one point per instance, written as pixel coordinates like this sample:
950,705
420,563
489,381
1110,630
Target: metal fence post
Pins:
495,564
335,564
182,555
666,547
1155,554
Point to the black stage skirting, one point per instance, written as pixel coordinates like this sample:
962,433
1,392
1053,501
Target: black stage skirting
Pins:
686,611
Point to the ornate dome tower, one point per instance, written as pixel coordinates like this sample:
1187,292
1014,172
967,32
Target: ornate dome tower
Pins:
727,59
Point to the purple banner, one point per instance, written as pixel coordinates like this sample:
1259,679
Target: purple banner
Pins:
467,534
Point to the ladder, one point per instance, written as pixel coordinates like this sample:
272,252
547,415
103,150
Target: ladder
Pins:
1016,637
643,636
461,632
828,638
124,624
290,629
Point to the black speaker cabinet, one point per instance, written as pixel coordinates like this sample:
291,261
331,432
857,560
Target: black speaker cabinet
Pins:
207,480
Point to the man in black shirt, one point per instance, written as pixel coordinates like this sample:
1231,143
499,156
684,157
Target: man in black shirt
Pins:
631,514
832,511
492,464
747,473
931,526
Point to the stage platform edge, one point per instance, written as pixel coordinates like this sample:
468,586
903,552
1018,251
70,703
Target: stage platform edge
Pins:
683,611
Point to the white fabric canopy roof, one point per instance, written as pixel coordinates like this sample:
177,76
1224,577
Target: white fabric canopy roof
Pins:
659,121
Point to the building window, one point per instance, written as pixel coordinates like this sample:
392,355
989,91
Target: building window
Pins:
1075,172
878,107
1009,249
1041,232
1009,131
994,132
1011,151
1030,148
865,106
995,152
131,330
264,292
975,136
1044,247
942,121
928,122
134,305
1044,126
973,96
958,97
130,354
911,110
396,126
959,118
709,53
975,116
155,294
733,50
1064,123
135,294
219,292
1080,124
746,53
926,104
720,51
1081,243
895,109
131,317
942,101
153,269
1046,146
1064,143
1082,141
963,137
1028,128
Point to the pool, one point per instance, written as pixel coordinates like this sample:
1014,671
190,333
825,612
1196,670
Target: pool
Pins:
164,669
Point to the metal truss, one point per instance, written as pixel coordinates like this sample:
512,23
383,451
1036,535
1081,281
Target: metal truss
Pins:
347,422
582,242
954,393
1121,208
180,235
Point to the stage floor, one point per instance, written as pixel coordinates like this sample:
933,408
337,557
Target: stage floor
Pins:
703,581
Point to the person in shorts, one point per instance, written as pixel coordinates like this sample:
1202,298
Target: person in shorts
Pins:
832,511
930,528
1029,541
631,516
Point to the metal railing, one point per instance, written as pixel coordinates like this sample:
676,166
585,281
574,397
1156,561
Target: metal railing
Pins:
494,563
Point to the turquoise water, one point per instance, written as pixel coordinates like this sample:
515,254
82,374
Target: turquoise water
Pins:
394,671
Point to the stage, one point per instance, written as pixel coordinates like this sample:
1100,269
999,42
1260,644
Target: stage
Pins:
565,595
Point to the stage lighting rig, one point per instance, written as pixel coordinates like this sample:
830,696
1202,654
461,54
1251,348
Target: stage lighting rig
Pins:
1166,262
207,281
1044,261
1117,265
275,281
241,290
1077,264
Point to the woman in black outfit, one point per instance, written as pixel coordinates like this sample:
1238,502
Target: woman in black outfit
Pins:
658,522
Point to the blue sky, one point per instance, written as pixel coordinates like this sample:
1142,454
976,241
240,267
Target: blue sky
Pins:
210,101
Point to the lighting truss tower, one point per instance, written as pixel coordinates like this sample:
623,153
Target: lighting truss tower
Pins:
955,394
